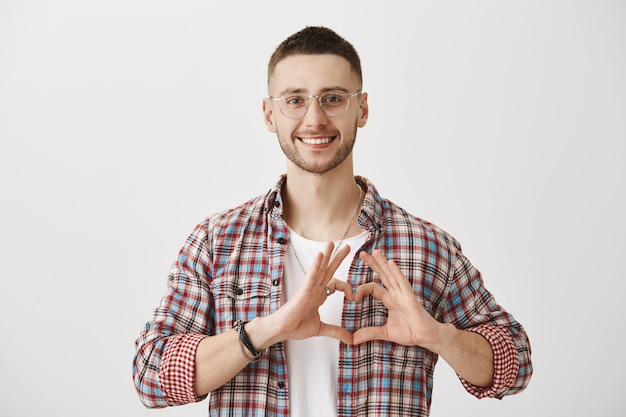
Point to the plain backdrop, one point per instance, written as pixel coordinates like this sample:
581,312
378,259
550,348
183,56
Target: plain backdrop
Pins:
124,123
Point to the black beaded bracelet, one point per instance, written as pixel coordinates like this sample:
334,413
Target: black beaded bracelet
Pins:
243,337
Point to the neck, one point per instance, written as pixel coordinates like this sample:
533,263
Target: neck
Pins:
320,207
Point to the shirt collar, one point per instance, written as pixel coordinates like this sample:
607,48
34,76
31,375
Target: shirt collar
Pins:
370,218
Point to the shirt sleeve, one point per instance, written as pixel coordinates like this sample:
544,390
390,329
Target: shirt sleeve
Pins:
470,306
163,367
505,363
177,373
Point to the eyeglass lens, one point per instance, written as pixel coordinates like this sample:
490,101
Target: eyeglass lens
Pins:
333,103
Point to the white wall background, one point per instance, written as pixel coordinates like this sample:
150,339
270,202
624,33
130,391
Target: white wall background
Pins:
124,123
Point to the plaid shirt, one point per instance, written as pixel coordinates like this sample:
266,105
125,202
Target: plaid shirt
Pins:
231,268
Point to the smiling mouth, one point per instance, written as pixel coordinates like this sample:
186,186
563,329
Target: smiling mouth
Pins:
317,141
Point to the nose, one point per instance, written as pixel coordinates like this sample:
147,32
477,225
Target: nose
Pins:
314,114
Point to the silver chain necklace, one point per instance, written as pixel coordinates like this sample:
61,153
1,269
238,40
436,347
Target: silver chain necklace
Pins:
356,209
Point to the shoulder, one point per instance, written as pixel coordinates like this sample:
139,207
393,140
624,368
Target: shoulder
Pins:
236,218
397,223
251,215
403,222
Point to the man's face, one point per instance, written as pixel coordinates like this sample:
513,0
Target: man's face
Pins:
315,143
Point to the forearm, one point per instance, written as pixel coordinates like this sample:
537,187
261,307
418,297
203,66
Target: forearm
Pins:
468,353
219,358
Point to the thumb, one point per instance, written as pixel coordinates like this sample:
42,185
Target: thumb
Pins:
369,333
336,332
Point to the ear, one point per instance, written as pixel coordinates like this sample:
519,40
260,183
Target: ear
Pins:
268,115
363,110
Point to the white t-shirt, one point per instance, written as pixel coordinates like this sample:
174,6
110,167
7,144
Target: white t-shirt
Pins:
312,364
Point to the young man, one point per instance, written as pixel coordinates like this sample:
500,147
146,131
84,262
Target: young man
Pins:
272,320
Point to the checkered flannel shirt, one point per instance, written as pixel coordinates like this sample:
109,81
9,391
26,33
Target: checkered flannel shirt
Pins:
231,268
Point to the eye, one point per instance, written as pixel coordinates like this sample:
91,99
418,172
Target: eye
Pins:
295,101
333,98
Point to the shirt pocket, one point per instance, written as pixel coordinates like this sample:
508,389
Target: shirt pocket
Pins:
240,297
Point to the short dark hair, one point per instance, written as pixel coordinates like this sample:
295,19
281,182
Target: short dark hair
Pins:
316,40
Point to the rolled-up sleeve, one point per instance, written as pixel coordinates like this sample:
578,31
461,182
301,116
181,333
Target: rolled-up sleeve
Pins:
177,373
470,306
164,363
511,368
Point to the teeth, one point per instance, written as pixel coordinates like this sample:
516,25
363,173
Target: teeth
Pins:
317,141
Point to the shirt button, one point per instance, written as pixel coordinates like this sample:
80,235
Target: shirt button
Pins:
239,291
281,385
275,283
281,240
276,203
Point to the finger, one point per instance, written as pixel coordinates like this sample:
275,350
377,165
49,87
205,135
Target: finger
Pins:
369,333
338,285
338,259
384,265
397,276
317,271
393,276
371,288
328,251
336,332
370,261
327,265
376,267
314,270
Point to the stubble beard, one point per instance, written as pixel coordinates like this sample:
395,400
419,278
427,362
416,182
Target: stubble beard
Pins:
292,153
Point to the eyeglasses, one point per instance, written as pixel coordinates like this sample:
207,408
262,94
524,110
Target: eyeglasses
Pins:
332,102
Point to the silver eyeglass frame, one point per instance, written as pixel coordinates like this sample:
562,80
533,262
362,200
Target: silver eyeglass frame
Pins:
319,100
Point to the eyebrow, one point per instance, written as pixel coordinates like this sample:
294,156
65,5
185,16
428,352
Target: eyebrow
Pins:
304,91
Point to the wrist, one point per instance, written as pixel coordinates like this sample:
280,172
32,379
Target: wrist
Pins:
259,333
447,335
245,343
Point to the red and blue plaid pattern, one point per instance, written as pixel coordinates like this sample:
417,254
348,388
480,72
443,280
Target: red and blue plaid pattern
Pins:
231,268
